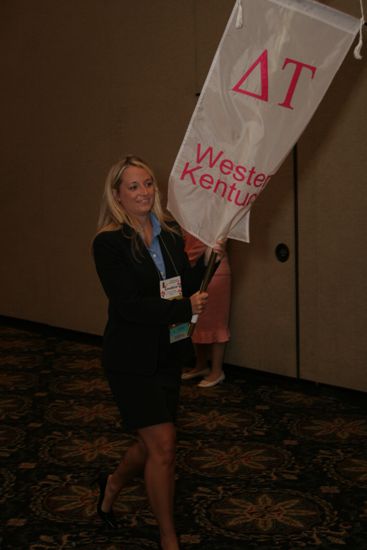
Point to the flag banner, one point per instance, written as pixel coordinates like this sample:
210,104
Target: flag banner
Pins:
267,78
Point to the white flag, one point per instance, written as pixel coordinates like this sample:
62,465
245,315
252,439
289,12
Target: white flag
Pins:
266,81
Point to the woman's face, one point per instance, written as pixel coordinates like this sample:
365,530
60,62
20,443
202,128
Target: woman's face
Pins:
136,192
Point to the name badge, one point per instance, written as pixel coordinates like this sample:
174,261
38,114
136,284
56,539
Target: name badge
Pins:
171,289
178,332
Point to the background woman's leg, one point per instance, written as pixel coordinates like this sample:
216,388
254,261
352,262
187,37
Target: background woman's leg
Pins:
217,356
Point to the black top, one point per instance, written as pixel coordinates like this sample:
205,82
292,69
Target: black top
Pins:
136,337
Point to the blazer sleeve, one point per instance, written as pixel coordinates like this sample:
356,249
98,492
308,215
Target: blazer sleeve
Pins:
120,284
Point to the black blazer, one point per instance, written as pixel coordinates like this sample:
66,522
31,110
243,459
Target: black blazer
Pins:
136,337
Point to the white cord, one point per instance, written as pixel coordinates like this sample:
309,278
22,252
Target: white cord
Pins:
358,48
239,20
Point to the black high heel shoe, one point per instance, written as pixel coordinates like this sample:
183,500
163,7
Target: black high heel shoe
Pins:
108,517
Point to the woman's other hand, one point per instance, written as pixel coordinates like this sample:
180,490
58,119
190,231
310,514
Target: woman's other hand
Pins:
198,302
219,248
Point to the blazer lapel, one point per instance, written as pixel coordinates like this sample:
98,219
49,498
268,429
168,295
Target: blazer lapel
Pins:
169,253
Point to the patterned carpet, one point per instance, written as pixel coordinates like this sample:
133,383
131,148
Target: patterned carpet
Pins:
263,461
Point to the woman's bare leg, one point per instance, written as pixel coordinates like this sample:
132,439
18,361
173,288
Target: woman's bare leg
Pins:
201,356
217,356
201,363
160,442
131,465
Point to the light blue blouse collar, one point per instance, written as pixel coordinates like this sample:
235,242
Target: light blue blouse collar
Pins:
155,225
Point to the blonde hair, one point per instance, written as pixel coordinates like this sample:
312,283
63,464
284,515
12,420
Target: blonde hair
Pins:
112,215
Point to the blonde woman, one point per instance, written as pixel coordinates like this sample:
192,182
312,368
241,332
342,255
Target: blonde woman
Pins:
152,292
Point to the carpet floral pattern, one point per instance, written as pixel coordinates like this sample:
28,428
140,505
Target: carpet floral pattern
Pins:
263,461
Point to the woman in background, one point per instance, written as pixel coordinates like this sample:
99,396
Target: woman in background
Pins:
211,331
152,292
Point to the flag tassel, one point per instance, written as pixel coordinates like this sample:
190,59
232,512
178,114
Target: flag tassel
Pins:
239,19
358,48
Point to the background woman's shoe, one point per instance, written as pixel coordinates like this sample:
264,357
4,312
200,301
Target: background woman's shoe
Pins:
210,383
188,375
107,517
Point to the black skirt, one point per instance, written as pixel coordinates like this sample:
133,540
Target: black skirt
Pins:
147,400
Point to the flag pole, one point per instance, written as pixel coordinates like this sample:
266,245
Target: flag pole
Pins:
209,272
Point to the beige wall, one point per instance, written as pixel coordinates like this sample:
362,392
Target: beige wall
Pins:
85,82
333,234
263,320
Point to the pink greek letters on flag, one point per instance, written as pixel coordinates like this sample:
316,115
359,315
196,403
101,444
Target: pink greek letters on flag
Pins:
265,83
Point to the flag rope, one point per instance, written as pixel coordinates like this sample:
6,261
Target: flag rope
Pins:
358,48
239,19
